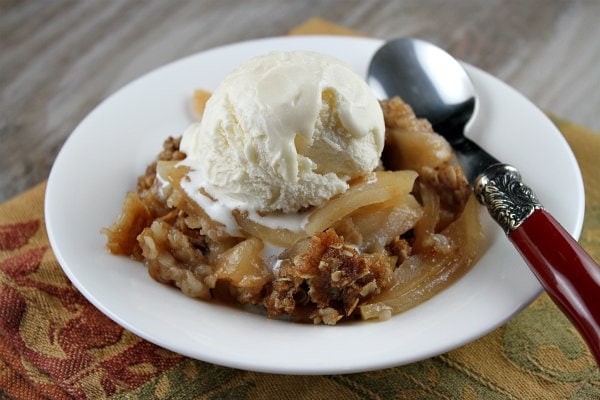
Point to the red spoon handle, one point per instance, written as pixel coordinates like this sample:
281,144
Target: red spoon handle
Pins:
570,276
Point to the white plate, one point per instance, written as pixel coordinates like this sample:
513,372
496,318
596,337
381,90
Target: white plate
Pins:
113,144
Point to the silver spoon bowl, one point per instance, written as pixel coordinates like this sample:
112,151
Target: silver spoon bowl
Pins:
418,72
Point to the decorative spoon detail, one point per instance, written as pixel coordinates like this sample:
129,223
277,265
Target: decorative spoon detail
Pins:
438,88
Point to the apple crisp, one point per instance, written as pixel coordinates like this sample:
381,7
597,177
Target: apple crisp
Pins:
395,238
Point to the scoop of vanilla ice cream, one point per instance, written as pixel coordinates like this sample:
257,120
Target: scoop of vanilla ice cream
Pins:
285,131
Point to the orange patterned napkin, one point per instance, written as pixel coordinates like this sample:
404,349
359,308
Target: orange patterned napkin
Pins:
56,345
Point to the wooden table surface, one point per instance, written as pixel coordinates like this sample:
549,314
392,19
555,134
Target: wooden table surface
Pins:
59,59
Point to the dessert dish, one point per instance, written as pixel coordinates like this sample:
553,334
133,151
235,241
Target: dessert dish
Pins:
300,195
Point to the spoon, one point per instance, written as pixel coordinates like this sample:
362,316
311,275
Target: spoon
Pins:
438,88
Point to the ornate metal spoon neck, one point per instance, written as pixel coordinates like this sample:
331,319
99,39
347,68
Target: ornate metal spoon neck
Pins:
509,201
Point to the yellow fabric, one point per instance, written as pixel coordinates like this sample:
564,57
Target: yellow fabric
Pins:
54,344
